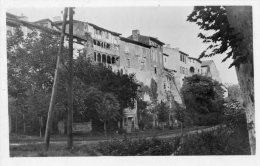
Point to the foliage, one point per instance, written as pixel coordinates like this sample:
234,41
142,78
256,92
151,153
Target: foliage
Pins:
123,86
220,142
179,112
145,118
109,108
203,98
31,66
234,93
141,147
153,91
31,63
234,114
162,111
199,92
224,141
222,37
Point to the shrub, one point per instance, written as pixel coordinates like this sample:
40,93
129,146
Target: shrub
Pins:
203,98
224,141
220,142
128,147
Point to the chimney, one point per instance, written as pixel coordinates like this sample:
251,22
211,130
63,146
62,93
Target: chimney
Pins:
56,18
135,34
168,46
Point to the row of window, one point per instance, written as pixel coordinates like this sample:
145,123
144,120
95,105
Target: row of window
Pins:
107,59
105,45
102,44
183,58
99,32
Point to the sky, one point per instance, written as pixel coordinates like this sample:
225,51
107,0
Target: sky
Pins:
167,23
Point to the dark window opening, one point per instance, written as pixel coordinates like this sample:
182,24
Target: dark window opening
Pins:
192,69
108,60
99,58
104,58
95,56
113,60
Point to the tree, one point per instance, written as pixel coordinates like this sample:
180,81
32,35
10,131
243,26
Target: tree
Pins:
108,110
232,33
31,62
234,93
162,111
31,66
179,114
153,91
203,98
124,87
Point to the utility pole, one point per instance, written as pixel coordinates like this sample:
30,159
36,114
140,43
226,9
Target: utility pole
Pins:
70,82
55,83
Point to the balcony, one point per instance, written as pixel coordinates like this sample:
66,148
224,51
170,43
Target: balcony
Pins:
105,50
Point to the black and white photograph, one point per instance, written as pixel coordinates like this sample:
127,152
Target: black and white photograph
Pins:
131,80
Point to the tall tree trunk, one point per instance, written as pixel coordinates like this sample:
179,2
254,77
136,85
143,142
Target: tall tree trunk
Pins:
40,126
24,125
16,126
240,18
105,128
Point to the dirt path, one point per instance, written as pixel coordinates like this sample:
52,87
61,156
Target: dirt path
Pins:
92,142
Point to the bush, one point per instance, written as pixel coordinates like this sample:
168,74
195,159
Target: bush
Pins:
203,98
224,141
221,142
128,147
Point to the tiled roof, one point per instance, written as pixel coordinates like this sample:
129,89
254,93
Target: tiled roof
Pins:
143,39
47,20
15,21
195,59
134,42
95,26
184,53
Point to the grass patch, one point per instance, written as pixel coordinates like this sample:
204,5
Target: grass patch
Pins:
37,150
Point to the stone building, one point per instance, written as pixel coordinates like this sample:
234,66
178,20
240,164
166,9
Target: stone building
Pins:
171,67
194,66
47,23
155,65
184,66
145,56
104,45
156,50
209,69
135,57
13,21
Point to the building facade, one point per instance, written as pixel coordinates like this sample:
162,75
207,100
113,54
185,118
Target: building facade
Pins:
145,56
104,46
208,68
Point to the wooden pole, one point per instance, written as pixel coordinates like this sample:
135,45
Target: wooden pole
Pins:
55,83
70,82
